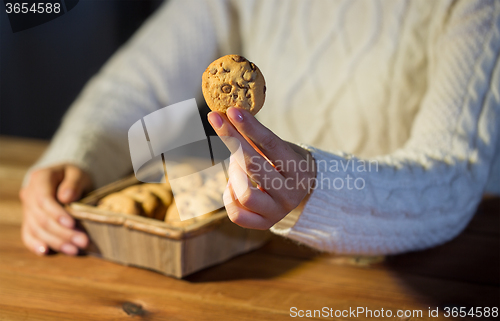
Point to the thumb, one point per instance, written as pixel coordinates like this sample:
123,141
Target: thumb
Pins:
74,182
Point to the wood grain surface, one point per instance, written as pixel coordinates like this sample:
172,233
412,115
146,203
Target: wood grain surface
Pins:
262,285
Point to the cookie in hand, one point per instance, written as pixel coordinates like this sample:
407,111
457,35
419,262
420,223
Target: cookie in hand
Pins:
233,81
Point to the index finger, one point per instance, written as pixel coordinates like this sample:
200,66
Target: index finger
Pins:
275,149
259,169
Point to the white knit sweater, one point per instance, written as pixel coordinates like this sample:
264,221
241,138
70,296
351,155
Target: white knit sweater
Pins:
413,85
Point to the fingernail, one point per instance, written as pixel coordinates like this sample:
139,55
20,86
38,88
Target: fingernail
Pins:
79,240
67,194
215,120
69,249
66,221
41,249
235,114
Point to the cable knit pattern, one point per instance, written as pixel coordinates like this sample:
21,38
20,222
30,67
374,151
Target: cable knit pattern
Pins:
140,78
411,88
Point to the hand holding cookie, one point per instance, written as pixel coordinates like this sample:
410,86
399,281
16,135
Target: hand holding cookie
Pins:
281,185
260,192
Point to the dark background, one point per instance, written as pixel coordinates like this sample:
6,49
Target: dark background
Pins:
43,69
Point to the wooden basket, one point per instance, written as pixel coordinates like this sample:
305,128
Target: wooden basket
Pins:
153,244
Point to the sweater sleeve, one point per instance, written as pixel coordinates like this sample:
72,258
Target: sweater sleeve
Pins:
162,64
425,193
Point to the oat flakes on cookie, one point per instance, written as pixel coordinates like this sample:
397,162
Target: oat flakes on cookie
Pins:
232,80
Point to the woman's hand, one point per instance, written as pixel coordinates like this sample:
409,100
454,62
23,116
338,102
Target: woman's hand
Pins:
281,186
45,222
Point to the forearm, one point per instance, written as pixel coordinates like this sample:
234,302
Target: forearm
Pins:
426,192
380,207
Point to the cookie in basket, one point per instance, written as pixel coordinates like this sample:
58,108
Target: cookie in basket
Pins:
193,204
162,191
151,204
233,81
185,177
120,203
214,186
173,218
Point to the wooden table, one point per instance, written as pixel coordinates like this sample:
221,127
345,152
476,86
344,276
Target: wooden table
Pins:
262,285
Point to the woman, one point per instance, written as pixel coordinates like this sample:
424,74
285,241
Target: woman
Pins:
411,87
